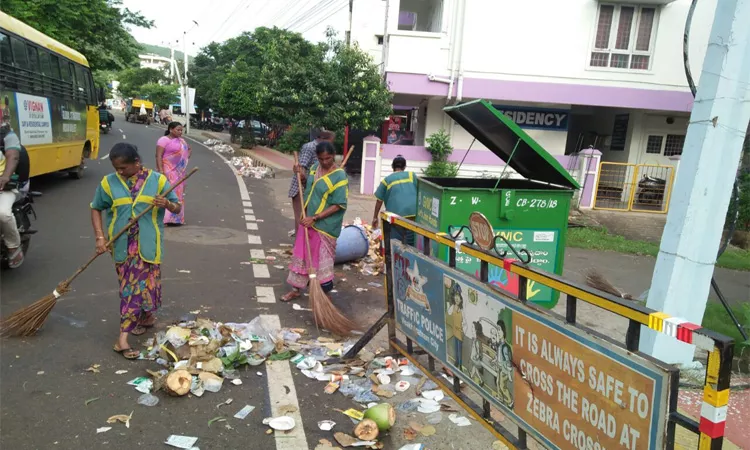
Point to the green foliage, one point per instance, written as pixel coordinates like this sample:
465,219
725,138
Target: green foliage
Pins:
161,51
297,135
132,80
102,79
96,28
439,146
161,94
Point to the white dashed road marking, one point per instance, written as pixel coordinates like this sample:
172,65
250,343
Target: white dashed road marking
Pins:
249,211
252,226
265,294
257,253
250,218
247,204
261,271
282,393
253,240
123,137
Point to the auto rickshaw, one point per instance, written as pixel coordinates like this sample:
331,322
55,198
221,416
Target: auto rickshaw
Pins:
140,111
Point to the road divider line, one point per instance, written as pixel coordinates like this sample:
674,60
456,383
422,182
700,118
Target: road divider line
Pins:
253,240
282,393
249,211
120,130
252,226
257,253
261,271
124,137
265,294
250,218
247,204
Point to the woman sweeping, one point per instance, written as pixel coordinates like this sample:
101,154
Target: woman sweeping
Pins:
325,198
172,156
137,254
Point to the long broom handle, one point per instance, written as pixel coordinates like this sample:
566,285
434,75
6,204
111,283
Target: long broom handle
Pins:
302,208
346,158
126,228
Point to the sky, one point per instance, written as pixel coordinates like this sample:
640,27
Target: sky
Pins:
219,20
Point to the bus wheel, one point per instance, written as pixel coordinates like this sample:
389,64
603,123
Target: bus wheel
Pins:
76,173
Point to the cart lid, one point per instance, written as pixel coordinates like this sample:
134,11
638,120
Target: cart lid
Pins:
500,134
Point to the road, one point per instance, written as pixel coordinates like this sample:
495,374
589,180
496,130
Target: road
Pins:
44,380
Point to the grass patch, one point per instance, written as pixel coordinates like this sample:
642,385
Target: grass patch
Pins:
716,319
601,239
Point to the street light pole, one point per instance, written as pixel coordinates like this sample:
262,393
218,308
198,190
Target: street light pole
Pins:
186,102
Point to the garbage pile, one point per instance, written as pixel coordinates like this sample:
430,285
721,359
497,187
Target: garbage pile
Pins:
248,167
218,146
374,262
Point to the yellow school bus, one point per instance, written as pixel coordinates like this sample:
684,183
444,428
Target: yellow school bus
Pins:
47,92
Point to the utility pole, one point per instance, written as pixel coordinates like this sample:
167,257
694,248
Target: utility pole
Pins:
351,14
701,194
186,102
171,61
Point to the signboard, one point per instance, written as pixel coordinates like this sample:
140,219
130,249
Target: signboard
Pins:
41,120
542,244
537,118
567,388
481,230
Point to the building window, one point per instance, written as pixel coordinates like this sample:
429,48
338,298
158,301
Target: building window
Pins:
379,39
674,144
654,144
421,15
624,37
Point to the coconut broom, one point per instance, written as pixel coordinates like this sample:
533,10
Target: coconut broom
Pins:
597,281
325,313
27,321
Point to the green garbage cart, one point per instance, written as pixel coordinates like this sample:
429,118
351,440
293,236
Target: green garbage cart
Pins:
530,209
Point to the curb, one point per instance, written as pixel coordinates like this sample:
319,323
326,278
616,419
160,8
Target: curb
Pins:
247,152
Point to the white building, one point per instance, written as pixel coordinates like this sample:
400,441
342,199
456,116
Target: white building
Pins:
152,61
575,73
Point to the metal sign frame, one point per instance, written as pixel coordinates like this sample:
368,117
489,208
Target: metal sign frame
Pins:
720,348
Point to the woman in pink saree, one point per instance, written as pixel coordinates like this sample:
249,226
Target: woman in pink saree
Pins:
172,156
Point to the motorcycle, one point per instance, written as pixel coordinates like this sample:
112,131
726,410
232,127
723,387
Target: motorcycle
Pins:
651,190
23,209
104,121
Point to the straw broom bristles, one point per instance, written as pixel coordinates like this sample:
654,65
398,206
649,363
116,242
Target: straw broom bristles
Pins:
597,281
325,313
28,320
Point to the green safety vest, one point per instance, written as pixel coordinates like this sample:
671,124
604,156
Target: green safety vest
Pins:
150,226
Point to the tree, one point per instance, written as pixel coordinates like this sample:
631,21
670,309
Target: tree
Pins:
162,95
96,28
131,80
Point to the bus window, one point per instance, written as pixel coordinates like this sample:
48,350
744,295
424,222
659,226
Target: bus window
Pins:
93,100
81,86
35,83
46,72
67,77
55,66
19,54
7,77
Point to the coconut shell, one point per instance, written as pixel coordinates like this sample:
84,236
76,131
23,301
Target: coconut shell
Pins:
178,383
366,430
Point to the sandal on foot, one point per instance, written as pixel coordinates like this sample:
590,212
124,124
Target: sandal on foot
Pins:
140,329
127,353
15,259
289,296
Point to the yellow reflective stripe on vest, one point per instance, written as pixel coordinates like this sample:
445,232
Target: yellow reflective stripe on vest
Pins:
333,188
326,181
115,203
405,180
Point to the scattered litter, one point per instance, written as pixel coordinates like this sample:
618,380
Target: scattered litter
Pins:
236,382
331,388
383,378
148,400
460,421
412,447
279,267
211,382
297,307
283,423
184,442
350,441
248,167
436,395
91,400
94,368
120,372
326,425
142,384
361,290
227,402
260,374
354,414
374,284
103,429
435,418
402,386
427,430
216,419
41,372
121,418
241,414
183,271
428,406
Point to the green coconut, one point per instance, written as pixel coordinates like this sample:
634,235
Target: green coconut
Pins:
383,414
366,430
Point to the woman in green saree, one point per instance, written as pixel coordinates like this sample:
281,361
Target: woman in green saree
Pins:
325,198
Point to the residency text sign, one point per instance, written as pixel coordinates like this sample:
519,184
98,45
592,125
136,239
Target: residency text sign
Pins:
566,387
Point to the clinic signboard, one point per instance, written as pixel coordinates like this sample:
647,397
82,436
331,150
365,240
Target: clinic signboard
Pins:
564,385
537,118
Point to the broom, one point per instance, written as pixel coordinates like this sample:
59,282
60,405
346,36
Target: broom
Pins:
27,321
597,281
325,313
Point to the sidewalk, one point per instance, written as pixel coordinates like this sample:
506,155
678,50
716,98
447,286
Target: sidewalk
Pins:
270,157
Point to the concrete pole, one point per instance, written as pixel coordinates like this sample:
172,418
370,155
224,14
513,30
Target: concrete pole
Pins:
702,190
187,90
351,15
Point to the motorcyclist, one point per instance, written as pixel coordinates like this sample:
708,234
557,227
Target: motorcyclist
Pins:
110,116
14,165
